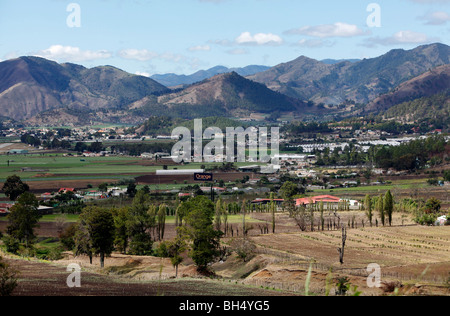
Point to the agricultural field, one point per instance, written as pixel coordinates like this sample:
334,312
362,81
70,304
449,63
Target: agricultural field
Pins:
38,278
47,172
416,259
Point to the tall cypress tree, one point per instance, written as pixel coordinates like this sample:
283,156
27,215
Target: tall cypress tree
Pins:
389,206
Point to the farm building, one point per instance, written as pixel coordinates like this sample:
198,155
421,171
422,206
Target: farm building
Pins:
254,168
441,221
45,210
286,157
328,201
216,190
4,209
117,192
47,195
178,172
147,156
66,190
181,195
93,195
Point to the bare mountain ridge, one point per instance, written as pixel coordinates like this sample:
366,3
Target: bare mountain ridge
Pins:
31,85
36,88
174,80
430,83
424,97
233,93
360,81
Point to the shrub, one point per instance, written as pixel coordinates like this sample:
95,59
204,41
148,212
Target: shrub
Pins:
162,251
12,244
390,287
67,237
244,248
8,279
343,285
425,219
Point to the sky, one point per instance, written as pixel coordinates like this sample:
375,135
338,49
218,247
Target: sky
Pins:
149,37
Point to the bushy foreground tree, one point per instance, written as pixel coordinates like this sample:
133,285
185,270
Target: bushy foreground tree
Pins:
198,214
23,218
95,234
8,279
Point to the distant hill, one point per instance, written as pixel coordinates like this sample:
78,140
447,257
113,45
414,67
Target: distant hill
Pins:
360,81
173,80
429,84
436,108
232,94
425,97
40,92
31,85
164,125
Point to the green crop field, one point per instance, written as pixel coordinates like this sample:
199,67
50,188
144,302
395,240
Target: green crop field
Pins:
60,165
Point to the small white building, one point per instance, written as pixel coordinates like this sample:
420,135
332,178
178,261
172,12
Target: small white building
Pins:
441,221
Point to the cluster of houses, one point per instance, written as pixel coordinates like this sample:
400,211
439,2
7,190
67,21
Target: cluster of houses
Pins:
86,195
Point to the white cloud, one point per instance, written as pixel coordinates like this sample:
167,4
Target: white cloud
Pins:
435,18
143,55
137,54
71,54
144,74
246,38
11,55
401,37
337,29
200,48
408,37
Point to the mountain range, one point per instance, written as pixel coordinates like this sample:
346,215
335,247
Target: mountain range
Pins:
32,85
360,81
174,80
42,92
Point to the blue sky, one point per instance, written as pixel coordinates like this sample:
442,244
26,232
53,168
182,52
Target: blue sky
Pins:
183,36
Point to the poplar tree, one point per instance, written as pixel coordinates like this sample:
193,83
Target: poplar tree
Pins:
161,221
389,206
272,209
218,215
368,208
380,208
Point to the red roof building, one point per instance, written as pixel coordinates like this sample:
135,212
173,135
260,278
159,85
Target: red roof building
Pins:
318,199
65,190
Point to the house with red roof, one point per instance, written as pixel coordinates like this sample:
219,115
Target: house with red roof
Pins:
66,190
4,208
326,199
